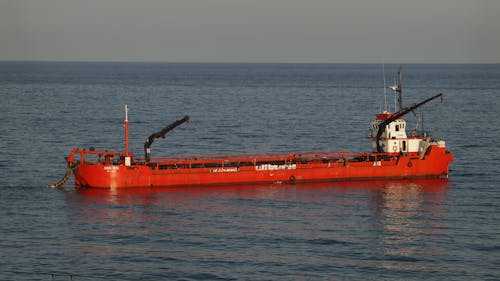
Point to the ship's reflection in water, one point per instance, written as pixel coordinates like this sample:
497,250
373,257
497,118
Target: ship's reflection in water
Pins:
312,230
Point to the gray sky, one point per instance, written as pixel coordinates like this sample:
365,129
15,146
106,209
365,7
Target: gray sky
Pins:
421,31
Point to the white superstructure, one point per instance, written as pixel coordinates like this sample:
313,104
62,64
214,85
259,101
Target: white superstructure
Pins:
394,138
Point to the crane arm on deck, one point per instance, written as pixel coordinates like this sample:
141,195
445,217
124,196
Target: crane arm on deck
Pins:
161,134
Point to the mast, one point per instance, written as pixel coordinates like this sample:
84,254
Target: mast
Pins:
399,89
125,123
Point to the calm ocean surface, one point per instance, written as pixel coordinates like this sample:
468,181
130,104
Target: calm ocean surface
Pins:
383,230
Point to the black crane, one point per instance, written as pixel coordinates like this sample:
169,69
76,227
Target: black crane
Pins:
161,134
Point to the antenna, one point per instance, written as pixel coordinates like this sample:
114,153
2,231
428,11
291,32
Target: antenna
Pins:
385,91
395,88
400,88
422,122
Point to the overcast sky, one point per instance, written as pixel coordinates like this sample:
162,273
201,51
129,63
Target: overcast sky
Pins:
400,31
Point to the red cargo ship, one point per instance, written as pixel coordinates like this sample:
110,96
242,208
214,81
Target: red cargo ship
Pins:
395,155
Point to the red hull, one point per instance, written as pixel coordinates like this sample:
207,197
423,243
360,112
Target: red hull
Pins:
271,168
396,156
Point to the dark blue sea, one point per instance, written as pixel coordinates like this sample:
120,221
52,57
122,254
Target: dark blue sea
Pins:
380,230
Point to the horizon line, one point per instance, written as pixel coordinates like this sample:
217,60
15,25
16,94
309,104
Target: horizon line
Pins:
236,62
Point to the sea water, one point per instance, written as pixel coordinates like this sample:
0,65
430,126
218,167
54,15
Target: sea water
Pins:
379,230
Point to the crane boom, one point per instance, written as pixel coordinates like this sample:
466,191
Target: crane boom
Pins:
161,134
